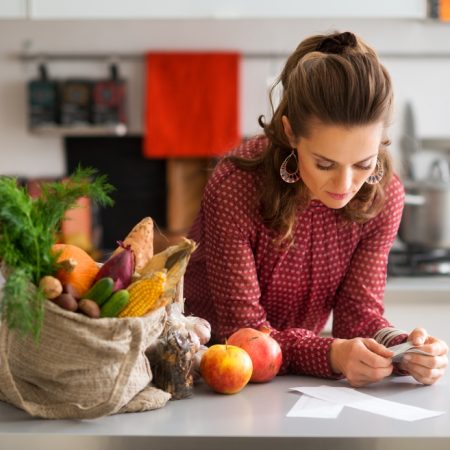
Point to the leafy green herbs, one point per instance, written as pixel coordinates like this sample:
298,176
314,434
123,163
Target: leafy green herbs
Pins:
28,228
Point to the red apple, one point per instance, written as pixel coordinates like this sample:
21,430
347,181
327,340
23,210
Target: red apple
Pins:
264,351
226,368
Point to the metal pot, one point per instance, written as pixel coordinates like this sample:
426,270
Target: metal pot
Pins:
426,215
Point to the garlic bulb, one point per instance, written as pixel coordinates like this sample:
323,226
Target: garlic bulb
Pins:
200,327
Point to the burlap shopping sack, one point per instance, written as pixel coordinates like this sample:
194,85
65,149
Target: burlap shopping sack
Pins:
82,368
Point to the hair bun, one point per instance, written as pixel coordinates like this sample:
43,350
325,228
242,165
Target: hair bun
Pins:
337,43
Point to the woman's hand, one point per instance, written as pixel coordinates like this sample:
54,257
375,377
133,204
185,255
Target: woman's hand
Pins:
425,369
361,360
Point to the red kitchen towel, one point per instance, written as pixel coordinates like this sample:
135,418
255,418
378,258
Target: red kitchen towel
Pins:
191,104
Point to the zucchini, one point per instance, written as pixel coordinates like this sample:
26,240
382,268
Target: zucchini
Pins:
115,304
100,291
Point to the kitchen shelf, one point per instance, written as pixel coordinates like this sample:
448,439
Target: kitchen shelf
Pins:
93,130
435,143
48,56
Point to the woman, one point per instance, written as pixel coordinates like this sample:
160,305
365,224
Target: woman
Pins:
299,222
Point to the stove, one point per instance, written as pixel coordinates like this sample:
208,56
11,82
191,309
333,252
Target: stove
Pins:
418,262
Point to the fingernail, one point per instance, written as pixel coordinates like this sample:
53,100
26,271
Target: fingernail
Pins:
407,357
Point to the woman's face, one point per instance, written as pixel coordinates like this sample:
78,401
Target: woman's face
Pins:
334,161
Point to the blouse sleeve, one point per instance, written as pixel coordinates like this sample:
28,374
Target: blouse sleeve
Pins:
358,309
234,288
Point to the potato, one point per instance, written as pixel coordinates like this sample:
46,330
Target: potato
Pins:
51,286
70,289
89,307
66,301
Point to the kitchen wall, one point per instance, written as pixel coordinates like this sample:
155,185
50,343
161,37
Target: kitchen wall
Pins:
423,80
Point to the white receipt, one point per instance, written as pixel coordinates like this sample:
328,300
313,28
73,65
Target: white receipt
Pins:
307,406
354,399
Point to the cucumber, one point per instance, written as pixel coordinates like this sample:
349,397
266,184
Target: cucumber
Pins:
100,291
115,304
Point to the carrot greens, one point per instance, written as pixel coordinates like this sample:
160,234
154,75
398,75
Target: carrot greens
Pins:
28,230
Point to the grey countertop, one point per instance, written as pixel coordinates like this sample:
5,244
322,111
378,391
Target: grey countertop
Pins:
255,418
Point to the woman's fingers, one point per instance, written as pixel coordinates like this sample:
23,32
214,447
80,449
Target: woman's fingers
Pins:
428,362
434,346
377,350
375,359
427,369
418,336
364,375
368,365
361,360
364,361
423,374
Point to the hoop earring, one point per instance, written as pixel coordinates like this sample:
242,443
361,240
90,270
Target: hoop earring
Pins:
286,176
377,175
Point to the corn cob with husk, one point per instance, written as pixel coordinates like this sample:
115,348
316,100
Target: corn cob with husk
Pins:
175,260
157,285
169,257
145,295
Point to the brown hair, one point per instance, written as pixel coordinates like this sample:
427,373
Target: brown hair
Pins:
336,79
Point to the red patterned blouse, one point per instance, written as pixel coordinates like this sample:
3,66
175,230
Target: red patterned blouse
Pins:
238,278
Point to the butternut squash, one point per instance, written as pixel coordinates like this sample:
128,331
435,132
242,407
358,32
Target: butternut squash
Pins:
76,267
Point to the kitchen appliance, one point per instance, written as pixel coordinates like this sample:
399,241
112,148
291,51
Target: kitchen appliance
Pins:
42,100
76,102
425,222
145,192
409,143
109,100
411,261
426,216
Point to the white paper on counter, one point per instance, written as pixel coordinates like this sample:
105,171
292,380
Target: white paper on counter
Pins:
364,402
308,406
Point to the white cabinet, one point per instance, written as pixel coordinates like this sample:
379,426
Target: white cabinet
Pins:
13,9
141,9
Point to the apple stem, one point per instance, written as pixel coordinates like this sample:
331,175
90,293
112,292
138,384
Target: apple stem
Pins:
265,329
